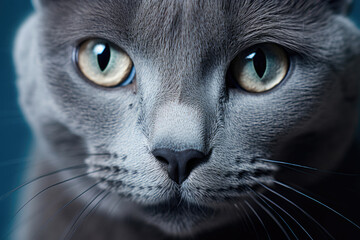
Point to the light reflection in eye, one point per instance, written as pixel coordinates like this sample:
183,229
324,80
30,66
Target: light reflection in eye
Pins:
99,49
251,56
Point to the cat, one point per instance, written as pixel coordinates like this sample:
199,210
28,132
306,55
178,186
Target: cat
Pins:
190,120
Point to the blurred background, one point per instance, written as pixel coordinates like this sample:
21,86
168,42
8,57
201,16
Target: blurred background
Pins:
15,137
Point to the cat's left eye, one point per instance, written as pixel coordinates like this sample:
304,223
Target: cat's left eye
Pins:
260,68
104,64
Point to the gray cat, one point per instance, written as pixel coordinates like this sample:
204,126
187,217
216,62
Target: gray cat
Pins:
189,119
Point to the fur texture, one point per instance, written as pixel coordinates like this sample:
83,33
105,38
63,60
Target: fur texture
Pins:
181,51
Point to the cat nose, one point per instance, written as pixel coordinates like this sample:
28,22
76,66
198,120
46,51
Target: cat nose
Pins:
179,164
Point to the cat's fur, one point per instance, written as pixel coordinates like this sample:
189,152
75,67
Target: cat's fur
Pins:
181,51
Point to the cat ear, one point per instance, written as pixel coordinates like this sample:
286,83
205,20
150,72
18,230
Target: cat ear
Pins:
341,6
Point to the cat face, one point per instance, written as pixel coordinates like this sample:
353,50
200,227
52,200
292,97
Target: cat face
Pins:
178,130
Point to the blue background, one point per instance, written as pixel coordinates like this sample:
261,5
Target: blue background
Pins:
15,138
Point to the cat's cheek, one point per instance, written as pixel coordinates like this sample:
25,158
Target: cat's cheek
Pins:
261,120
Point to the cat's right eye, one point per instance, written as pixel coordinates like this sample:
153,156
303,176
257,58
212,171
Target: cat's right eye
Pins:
260,68
104,64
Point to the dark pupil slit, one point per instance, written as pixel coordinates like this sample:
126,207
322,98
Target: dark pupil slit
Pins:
259,62
104,57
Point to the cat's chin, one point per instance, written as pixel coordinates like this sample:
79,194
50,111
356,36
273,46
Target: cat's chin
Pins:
180,218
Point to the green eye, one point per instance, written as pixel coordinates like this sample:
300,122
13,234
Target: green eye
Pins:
104,64
261,68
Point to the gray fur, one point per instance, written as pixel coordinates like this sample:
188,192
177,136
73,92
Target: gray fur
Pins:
181,51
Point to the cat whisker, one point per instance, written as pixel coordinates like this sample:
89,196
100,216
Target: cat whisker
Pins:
5,195
239,213
317,201
258,217
299,208
307,167
272,216
72,229
21,160
91,212
288,214
49,220
13,227
53,185
250,220
23,206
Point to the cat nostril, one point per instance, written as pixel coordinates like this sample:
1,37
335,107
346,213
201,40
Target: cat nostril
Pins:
162,160
179,164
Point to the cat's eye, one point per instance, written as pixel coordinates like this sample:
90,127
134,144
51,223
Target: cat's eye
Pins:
105,64
260,68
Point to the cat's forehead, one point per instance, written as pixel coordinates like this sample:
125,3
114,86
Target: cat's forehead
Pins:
187,29
187,21
189,17
190,12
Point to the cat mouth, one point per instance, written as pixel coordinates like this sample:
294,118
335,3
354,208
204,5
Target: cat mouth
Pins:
177,207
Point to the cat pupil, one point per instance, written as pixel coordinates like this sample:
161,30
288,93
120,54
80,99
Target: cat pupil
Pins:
259,61
103,55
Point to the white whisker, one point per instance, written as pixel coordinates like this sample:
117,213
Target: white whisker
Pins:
299,208
317,201
272,216
288,214
258,217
